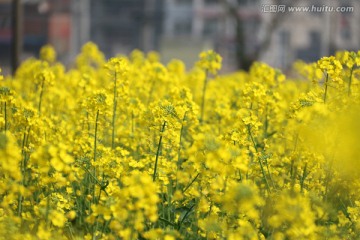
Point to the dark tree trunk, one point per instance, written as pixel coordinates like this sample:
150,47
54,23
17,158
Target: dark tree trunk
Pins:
243,59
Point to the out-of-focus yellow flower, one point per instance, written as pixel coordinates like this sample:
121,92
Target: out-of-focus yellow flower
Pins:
43,233
330,66
309,70
71,215
348,59
118,66
169,237
10,156
57,218
176,66
210,61
48,53
90,56
153,56
292,216
268,159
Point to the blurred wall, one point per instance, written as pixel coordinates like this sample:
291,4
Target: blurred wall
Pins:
183,28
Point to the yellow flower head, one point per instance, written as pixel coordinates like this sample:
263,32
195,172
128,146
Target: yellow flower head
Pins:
99,100
347,58
210,61
6,94
331,66
45,76
118,66
153,56
48,53
57,218
90,56
176,66
309,71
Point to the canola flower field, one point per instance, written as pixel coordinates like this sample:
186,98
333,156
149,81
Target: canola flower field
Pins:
128,148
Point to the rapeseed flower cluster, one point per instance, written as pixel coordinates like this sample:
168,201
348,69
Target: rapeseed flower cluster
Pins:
130,148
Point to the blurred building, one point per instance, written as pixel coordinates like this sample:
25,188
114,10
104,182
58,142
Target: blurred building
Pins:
5,31
43,22
311,35
193,25
183,28
117,26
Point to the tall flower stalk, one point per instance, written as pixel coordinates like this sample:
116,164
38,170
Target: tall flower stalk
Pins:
210,62
162,130
332,68
117,68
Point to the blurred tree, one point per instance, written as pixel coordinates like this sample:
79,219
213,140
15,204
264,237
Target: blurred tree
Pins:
243,58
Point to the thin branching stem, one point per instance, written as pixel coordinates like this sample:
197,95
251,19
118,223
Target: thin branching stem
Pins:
326,87
158,150
5,116
259,159
41,96
95,151
95,138
303,177
189,185
179,149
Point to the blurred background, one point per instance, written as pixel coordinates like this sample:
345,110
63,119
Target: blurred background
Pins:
242,31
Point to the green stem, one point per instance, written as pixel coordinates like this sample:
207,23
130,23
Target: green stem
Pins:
5,116
326,87
167,222
181,133
179,149
19,205
240,176
132,123
95,227
95,138
158,150
350,80
203,97
266,122
114,115
95,146
23,169
269,173
105,225
47,211
88,122
180,222
71,232
259,160
93,177
303,177
41,96
189,185
170,193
